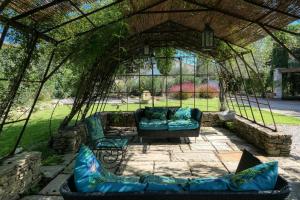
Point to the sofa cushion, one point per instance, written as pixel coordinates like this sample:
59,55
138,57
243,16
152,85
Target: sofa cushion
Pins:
182,113
94,128
181,124
153,124
258,178
156,113
89,176
112,143
163,183
208,184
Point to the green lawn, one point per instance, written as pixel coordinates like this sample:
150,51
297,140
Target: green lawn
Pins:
37,133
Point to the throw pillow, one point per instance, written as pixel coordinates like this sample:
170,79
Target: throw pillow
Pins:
156,113
208,184
163,183
182,113
94,128
258,178
89,176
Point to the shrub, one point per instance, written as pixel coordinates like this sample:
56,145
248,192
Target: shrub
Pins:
208,90
187,90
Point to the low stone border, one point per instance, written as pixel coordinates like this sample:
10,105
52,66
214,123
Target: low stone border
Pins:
273,143
69,140
18,174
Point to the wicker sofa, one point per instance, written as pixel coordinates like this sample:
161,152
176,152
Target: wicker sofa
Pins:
196,115
280,192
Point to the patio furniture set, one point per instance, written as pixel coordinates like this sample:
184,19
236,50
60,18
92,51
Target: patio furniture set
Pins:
92,180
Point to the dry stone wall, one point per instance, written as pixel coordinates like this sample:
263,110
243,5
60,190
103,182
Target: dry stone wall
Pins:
273,143
18,174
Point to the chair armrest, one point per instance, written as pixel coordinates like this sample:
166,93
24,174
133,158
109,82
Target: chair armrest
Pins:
197,115
138,116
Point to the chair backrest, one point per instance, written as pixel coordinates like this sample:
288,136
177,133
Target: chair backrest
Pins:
94,128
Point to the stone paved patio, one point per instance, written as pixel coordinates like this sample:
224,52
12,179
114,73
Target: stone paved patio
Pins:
216,152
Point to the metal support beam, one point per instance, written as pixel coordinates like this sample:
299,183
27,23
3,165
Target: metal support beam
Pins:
272,9
37,9
238,16
26,29
34,103
280,43
260,81
5,107
81,12
115,21
244,85
81,16
4,4
3,35
174,11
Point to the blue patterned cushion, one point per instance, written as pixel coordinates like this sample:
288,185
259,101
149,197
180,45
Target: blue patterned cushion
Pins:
258,178
163,183
208,184
182,124
112,143
91,177
87,170
94,128
182,113
156,113
153,124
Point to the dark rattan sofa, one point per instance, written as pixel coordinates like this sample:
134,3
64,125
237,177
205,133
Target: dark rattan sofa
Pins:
195,113
281,191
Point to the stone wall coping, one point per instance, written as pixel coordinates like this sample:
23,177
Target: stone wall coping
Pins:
263,130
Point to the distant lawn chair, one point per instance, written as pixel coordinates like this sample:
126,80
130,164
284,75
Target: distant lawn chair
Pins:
111,150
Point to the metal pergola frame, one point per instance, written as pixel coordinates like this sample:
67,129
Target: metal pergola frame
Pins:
101,92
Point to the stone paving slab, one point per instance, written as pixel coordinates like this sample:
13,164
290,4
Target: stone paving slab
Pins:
136,168
174,169
153,156
195,157
207,169
41,197
68,158
50,172
230,156
201,146
53,187
221,146
69,168
231,166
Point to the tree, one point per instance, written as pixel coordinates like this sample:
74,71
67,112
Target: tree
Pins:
164,62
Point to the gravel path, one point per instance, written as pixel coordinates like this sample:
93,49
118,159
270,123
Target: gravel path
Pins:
295,131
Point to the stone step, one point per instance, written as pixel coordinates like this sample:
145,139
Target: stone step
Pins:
50,172
41,197
53,187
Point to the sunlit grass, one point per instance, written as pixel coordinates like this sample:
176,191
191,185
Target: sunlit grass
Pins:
37,133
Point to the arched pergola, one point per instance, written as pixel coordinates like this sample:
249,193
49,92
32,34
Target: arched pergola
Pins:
157,23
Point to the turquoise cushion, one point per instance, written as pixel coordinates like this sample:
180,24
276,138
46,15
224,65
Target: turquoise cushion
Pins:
87,170
156,113
258,178
163,183
181,124
91,177
182,113
120,187
112,143
208,184
153,124
94,128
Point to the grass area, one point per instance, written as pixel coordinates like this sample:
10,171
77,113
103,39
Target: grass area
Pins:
37,133
266,116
